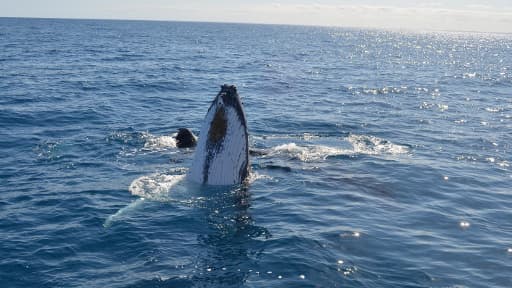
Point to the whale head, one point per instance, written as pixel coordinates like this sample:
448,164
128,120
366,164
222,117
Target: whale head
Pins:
222,152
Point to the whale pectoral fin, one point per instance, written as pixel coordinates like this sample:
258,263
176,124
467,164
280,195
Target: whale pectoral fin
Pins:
122,212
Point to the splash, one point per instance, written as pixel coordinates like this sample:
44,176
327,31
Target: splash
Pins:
308,153
47,150
155,186
135,142
377,90
371,145
494,109
255,176
357,144
158,143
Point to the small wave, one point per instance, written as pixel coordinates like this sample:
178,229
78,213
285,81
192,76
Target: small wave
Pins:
125,137
361,144
134,142
47,150
494,109
255,176
307,153
155,143
377,90
497,161
469,75
371,145
426,106
494,160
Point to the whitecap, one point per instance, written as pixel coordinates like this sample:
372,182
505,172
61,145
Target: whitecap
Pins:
307,153
357,144
157,143
503,164
493,109
371,145
255,176
136,142
442,107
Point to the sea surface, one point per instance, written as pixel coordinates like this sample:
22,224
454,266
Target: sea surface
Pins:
386,156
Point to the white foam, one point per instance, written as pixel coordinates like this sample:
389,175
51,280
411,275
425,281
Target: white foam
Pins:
493,109
254,176
307,153
370,145
150,143
361,144
503,164
156,143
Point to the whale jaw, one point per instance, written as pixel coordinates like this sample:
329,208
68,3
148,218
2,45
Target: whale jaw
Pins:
222,152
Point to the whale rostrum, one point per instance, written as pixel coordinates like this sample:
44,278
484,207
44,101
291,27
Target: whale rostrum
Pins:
222,151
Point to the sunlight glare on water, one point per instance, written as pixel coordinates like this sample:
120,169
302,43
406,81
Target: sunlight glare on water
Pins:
379,158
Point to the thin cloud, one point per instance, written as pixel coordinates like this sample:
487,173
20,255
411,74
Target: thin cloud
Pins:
432,17
478,16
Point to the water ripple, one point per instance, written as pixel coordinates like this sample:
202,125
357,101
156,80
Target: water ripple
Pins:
379,159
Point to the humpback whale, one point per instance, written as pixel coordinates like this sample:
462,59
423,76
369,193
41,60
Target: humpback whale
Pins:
185,138
222,152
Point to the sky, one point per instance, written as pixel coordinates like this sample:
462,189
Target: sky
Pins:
447,15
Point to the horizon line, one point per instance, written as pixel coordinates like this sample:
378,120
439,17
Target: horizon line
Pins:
384,29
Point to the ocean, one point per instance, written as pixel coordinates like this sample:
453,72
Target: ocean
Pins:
387,156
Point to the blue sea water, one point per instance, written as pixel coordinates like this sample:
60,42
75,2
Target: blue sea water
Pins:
387,157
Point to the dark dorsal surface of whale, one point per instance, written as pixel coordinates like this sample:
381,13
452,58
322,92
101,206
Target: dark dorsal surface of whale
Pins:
222,152
185,138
